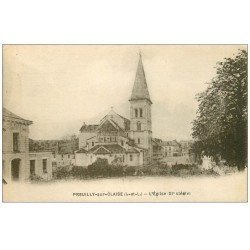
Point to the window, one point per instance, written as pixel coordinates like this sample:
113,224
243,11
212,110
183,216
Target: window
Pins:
15,142
122,143
131,157
68,156
140,112
93,144
122,158
32,167
62,157
44,166
139,140
138,126
136,112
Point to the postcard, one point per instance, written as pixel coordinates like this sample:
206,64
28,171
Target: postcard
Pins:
124,123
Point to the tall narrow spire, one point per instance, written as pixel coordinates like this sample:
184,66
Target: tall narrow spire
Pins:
140,89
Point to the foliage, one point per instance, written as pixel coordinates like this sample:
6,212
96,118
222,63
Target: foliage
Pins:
101,169
79,172
36,178
220,128
62,173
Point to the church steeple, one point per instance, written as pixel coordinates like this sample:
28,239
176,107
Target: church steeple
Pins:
140,89
140,113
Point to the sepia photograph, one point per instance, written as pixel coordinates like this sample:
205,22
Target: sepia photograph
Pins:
125,123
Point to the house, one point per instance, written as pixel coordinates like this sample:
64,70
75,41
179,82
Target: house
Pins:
118,139
41,164
186,147
15,147
158,150
171,148
18,162
65,153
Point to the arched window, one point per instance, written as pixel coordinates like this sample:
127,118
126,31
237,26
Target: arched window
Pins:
138,126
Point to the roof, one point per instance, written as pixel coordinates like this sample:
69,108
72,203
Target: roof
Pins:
8,114
132,150
140,89
88,128
122,122
112,112
91,137
107,149
157,141
171,143
109,126
81,150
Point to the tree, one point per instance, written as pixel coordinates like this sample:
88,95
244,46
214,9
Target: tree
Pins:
220,128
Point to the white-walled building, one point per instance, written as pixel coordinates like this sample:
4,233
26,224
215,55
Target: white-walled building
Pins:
41,164
17,164
117,138
171,148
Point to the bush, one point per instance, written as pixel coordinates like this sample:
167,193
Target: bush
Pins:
100,168
36,178
61,173
79,172
116,170
129,171
157,168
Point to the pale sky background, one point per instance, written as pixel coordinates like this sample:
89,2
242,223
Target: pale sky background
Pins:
60,87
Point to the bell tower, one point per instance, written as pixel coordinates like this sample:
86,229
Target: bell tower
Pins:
140,112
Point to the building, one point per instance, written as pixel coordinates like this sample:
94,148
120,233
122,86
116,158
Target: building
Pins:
18,162
65,153
186,147
15,147
171,148
158,150
118,139
41,164
63,150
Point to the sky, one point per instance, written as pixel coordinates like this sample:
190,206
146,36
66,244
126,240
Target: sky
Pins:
59,87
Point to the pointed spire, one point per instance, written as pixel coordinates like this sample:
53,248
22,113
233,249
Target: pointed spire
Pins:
140,89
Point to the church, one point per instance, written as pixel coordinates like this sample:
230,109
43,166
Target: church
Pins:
118,139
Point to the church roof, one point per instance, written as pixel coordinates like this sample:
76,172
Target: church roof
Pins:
107,149
88,128
140,89
109,126
119,121
8,114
